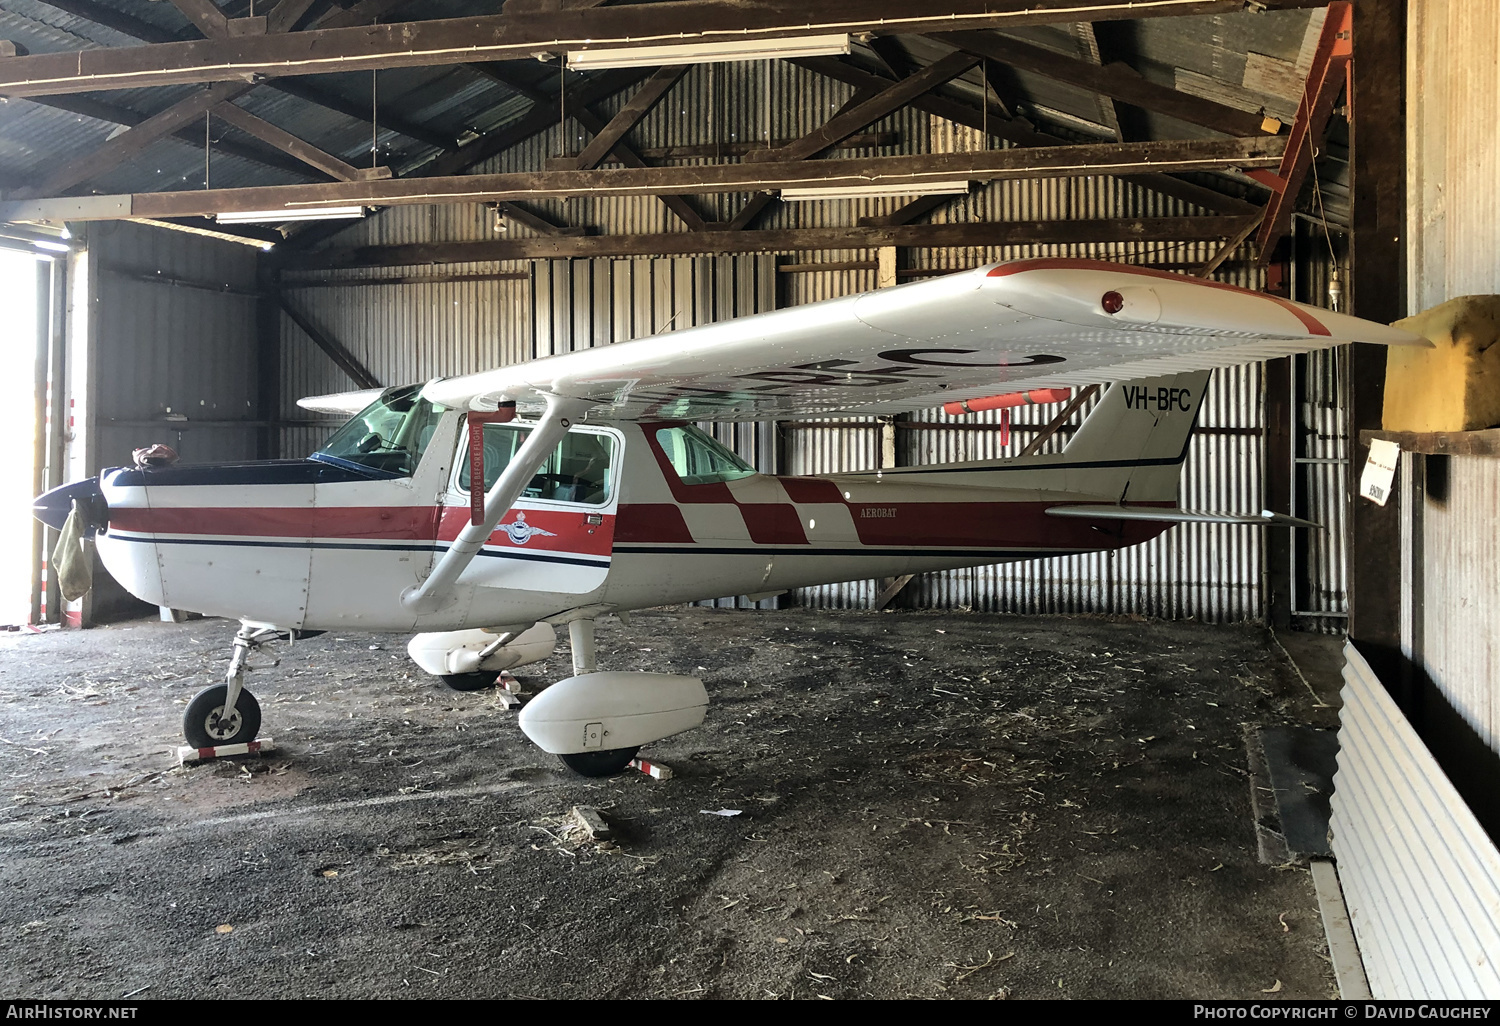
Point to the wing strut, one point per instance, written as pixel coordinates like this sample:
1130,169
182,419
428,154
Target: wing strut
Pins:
431,594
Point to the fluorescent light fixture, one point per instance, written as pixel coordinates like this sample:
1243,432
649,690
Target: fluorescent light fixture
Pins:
825,192
282,216
707,53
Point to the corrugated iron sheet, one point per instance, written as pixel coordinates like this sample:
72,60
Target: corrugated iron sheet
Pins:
1421,878
152,341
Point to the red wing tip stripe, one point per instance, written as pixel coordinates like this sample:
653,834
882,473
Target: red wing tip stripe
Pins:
1310,322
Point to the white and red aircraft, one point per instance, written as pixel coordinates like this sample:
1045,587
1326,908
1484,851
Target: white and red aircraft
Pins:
438,509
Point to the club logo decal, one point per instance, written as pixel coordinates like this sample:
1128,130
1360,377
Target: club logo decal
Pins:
520,532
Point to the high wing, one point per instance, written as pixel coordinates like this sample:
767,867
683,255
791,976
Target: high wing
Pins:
1000,328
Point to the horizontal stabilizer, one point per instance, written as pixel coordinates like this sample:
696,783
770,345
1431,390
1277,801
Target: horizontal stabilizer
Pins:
347,403
1179,516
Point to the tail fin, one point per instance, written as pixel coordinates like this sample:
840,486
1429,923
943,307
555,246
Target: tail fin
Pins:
1142,429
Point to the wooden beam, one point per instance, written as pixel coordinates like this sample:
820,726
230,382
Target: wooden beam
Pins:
346,360
847,122
404,279
135,28
1325,80
1233,243
739,147
628,116
130,143
916,209
1115,80
108,112
782,240
1108,115
206,15
519,36
519,214
626,156
1030,162
542,117
1001,125
285,15
750,211
288,143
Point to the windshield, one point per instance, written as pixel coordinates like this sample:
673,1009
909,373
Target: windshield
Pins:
388,436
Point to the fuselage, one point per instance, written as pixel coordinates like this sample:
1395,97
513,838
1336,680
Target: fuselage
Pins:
310,544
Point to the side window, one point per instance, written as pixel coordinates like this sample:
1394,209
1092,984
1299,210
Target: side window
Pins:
579,470
698,459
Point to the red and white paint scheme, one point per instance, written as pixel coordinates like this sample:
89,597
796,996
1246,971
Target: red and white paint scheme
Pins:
600,496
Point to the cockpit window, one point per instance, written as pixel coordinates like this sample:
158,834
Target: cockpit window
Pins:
388,436
577,471
698,459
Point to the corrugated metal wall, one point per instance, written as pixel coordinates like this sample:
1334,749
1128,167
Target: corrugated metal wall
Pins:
1454,250
174,335
1420,877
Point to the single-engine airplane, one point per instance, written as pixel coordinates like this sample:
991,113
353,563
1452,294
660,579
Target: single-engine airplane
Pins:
480,511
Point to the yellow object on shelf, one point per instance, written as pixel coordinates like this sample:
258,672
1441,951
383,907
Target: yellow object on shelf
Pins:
1455,386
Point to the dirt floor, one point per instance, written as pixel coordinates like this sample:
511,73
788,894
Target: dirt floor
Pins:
929,805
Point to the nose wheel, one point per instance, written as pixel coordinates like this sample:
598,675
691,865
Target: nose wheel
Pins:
227,714
210,722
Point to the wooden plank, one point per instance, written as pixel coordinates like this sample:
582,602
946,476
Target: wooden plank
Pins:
626,156
628,116
789,240
518,36
828,265
986,165
915,210
1114,80
890,591
1441,443
738,148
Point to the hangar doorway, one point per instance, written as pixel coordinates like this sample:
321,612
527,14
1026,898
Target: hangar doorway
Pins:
20,274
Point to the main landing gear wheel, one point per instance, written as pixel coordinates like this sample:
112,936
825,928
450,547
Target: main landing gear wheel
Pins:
605,763
206,726
476,681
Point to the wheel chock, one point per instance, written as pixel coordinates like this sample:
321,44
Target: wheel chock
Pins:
508,689
188,756
654,770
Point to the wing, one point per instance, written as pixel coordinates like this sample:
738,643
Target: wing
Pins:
1001,328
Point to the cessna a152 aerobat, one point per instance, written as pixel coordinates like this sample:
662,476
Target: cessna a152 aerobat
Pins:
481,511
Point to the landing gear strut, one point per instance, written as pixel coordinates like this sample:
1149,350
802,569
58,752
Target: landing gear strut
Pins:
226,714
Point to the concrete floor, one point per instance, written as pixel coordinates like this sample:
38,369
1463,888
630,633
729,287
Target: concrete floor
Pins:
929,805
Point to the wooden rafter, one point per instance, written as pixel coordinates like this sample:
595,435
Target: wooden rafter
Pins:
1007,233
999,124
304,151
628,116
517,36
1017,162
135,28
1118,81
130,143
111,114
856,116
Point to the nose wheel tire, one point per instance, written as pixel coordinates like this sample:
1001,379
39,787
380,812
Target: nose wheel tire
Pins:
605,763
205,724
476,681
